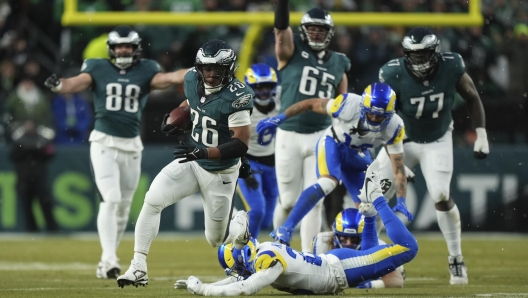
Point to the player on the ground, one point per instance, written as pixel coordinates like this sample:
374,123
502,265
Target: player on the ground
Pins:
347,232
220,111
307,69
120,87
295,272
358,124
259,191
425,82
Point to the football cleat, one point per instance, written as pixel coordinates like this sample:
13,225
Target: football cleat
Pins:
239,230
108,269
136,275
371,188
282,235
458,270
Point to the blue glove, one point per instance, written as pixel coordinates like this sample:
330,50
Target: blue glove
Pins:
365,285
270,124
402,208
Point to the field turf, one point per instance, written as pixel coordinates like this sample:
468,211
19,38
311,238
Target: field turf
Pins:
64,266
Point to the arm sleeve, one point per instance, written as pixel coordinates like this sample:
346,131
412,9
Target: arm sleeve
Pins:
240,118
369,237
250,286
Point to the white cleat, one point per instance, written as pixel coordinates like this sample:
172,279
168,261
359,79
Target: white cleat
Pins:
108,269
371,188
239,230
136,275
458,270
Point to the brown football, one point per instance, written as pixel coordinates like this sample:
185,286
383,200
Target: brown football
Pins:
180,117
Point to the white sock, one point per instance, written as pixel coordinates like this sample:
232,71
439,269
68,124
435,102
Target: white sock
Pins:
107,229
147,227
449,223
311,226
140,257
279,216
123,211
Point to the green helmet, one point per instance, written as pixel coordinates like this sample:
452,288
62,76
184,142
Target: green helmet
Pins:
420,48
123,35
220,53
317,17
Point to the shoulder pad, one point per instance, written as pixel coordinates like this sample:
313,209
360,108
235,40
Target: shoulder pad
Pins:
267,259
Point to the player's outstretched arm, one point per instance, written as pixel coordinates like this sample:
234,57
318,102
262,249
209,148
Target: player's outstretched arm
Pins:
250,286
167,79
284,45
76,84
343,86
466,89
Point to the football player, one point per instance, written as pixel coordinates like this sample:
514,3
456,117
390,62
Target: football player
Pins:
295,272
220,111
307,69
120,88
347,232
425,81
358,124
259,191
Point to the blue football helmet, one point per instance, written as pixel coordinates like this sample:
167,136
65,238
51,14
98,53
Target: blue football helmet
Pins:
378,99
263,80
238,263
348,223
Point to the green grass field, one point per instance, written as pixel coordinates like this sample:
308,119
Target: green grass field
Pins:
38,266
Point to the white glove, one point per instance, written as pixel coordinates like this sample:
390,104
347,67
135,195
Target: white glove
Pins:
180,284
367,209
481,149
409,174
194,285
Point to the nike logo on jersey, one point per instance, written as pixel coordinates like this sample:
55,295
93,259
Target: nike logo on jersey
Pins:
238,94
226,182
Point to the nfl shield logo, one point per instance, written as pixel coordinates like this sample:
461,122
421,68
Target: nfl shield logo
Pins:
202,100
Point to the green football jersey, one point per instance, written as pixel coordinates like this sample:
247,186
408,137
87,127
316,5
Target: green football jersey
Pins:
306,76
120,95
210,115
425,106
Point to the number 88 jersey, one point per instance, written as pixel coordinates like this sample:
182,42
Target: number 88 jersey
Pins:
120,95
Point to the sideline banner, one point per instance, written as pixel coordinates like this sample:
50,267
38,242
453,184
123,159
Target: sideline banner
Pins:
490,193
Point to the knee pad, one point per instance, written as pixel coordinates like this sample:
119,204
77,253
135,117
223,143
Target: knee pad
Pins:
156,199
215,237
326,184
439,195
112,195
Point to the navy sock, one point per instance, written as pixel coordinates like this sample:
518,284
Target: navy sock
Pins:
308,199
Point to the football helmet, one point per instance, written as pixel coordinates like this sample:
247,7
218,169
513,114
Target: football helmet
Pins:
238,262
348,223
378,99
421,47
123,35
221,55
259,76
317,17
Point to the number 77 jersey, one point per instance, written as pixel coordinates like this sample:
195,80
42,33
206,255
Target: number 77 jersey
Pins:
120,95
425,105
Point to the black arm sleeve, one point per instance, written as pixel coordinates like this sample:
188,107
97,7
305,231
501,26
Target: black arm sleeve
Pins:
282,15
232,149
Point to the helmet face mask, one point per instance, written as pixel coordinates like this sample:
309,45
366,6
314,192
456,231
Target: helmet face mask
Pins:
122,35
420,48
215,64
348,229
263,80
378,102
315,23
238,263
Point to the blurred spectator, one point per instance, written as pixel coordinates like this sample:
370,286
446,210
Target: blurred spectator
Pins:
28,102
8,73
516,50
31,152
97,47
73,119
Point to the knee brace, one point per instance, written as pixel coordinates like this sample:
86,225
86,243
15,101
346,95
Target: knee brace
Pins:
326,184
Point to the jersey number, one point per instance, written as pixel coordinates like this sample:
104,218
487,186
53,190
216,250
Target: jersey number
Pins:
439,97
114,97
209,136
308,84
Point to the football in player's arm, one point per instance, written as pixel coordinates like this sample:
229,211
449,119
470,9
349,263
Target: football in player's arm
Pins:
120,86
358,124
220,108
285,269
426,81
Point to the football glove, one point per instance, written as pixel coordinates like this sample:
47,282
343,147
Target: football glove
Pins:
180,284
481,149
409,174
402,208
251,182
189,153
168,129
367,210
269,125
194,285
371,284
245,169
53,83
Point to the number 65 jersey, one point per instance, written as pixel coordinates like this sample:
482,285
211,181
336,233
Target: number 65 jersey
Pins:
120,95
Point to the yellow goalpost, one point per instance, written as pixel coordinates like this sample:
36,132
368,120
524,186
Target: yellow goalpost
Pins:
257,21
